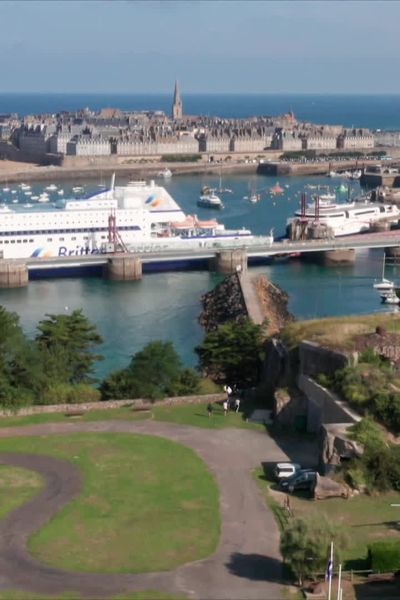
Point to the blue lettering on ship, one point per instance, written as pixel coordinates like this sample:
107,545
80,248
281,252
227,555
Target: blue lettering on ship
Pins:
78,251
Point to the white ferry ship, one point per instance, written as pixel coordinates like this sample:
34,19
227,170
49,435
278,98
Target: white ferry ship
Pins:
345,218
144,213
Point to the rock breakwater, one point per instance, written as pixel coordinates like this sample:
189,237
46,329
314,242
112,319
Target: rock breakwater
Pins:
226,302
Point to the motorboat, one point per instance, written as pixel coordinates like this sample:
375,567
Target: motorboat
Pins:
77,189
333,174
385,285
166,173
51,188
60,192
356,174
6,189
276,189
253,198
210,200
390,298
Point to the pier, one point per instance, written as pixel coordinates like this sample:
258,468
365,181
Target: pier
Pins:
226,259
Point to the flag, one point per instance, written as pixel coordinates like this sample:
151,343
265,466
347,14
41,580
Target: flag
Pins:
329,570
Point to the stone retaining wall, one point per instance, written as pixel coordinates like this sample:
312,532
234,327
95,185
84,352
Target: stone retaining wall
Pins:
324,406
138,403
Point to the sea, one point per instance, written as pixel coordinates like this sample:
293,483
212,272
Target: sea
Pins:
165,306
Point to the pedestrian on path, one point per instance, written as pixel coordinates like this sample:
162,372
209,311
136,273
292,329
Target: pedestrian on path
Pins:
237,404
225,405
210,409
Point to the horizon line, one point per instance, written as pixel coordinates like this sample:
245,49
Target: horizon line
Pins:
202,93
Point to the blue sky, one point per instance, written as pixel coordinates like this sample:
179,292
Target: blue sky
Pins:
215,46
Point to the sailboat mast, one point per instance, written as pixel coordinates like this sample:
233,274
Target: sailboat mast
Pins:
383,266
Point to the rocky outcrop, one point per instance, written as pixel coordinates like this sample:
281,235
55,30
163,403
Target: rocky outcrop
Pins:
335,445
224,303
273,301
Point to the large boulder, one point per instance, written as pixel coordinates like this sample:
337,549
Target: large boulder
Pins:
329,488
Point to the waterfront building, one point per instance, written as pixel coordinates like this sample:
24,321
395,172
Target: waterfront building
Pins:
355,139
89,146
387,138
286,140
177,108
320,142
136,147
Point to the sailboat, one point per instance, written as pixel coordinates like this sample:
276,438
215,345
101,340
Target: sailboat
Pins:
385,285
222,190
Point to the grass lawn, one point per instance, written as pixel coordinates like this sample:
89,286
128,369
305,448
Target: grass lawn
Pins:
147,504
184,414
16,486
146,595
364,518
338,331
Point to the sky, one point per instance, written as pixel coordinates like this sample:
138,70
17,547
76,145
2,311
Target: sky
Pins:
213,46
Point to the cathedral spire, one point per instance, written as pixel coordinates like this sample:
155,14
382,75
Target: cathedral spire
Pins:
177,103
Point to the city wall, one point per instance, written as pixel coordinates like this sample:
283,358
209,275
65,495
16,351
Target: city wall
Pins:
136,404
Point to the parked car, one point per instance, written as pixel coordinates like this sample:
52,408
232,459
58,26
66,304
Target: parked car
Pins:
285,469
302,480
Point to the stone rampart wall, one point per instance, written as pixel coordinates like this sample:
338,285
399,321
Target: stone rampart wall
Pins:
324,406
315,359
109,404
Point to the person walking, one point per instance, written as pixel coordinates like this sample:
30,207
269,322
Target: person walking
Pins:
225,406
237,404
209,409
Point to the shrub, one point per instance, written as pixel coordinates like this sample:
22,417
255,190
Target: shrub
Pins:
384,556
81,393
65,393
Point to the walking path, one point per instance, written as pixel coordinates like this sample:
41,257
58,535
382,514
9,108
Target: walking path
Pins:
246,564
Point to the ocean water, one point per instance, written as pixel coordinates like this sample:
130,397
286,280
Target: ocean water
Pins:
166,306
374,111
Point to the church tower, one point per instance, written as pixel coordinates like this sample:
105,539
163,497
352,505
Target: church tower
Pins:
177,103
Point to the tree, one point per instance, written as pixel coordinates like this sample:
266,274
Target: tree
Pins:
71,338
232,353
305,544
154,372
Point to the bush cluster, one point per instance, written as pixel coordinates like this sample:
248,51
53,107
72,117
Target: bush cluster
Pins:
384,556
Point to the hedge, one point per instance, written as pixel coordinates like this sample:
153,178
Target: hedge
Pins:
384,557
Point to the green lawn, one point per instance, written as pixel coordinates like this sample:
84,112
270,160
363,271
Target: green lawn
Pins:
364,518
184,414
16,486
147,504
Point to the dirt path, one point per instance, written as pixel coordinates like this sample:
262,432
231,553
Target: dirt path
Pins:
246,564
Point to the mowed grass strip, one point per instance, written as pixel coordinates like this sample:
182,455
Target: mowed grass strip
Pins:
17,485
184,414
147,504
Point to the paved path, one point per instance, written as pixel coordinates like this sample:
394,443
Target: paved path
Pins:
246,564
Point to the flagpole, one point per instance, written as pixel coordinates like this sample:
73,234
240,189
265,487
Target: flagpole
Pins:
330,574
339,582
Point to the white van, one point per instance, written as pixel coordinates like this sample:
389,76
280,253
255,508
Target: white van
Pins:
285,470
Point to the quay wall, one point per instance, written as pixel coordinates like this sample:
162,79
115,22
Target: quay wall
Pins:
136,403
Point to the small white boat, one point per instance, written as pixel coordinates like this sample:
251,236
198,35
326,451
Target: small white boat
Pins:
34,197
210,200
356,174
253,198
390,298
27,205
28,193
385,285
24,186
13,191
333,174
77,189
6,189
43,198
51,188
60,192
14,200
166,173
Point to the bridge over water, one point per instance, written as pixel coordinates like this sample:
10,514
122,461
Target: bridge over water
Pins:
228,257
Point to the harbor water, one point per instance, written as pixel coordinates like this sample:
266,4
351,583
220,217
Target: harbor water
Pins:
166,306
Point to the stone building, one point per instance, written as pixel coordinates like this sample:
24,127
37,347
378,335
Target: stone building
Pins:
286,140
89,147
320,142
387,138
355,139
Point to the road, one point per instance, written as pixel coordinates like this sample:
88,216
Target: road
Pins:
246,564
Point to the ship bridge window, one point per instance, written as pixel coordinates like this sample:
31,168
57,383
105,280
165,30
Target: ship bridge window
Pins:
60,239
364,212
49,239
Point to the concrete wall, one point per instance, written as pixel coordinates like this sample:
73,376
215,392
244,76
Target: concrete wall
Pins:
109,404
324,407
315,359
